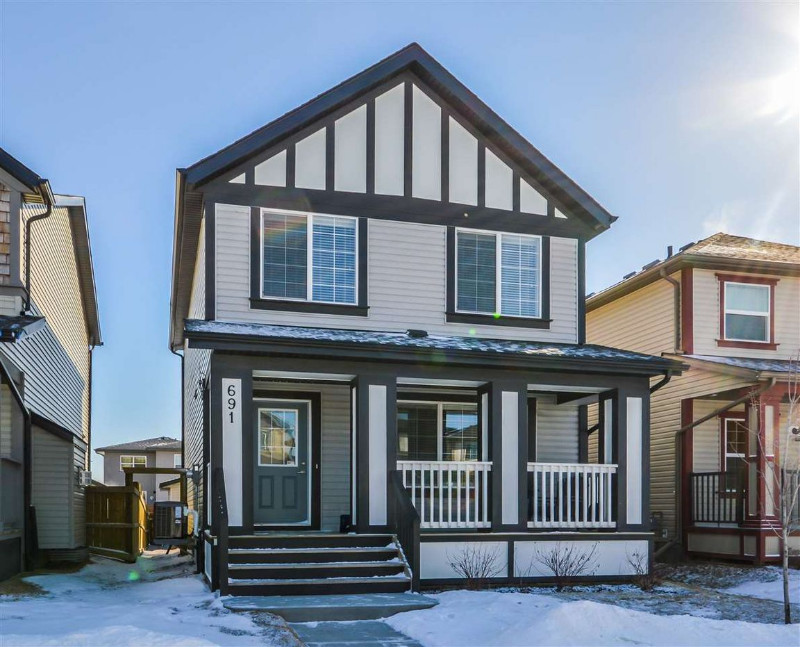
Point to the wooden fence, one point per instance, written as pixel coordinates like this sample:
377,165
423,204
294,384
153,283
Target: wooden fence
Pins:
116,521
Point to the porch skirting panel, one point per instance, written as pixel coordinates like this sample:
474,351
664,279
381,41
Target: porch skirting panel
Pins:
514,558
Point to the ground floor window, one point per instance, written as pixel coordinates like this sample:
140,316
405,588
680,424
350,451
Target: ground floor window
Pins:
437,431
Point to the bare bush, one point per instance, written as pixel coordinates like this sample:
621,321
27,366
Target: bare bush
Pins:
476,563
643,577
566,562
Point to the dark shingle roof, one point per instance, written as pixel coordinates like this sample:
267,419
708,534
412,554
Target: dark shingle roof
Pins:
728,246
400,340
752,364
162,443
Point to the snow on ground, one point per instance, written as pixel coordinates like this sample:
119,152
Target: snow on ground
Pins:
155,602
769,589
486,618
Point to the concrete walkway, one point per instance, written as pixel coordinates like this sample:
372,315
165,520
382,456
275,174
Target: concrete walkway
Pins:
362,633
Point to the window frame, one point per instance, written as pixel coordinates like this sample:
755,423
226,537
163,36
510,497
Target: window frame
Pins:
177,461
731,342
260,301
441,405
455,315
285,409
133,456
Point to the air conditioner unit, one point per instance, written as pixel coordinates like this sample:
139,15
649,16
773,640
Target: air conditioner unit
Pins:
85,478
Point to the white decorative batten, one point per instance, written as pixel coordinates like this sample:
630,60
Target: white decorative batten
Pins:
571,495
448,494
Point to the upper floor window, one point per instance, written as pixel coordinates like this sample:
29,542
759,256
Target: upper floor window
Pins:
177,460
746,310
308,262
309,257
132,461
498,274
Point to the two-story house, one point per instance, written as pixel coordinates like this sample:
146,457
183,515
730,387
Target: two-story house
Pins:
379,300
728,307
49,326
150,452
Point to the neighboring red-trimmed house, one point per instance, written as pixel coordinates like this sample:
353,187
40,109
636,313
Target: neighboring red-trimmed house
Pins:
48,328
728,307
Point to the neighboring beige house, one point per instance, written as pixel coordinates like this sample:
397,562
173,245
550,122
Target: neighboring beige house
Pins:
151,452
49,327
728,307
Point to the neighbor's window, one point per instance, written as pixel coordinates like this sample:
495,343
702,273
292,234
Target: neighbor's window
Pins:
176,460
309,257
277,437
498,274
747,312
436,431
132,461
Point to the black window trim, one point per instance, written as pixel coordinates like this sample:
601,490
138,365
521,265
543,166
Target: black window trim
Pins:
259,302
452,315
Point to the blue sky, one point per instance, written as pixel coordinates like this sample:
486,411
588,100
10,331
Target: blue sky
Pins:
681,119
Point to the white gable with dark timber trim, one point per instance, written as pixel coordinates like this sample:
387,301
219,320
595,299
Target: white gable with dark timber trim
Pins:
420,149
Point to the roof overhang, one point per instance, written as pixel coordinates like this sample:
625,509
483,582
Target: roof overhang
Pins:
680,261
247,342
79,226
720,366
12,329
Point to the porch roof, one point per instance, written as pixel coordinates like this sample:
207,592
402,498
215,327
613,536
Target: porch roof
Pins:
420,344
760,367
12,328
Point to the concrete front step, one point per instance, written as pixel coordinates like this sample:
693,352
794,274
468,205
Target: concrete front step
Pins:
320,540
320,570
320,586
319,608
310,555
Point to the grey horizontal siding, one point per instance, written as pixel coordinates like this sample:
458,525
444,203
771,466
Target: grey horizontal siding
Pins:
335,437
78,497
407,283
52,474
556,433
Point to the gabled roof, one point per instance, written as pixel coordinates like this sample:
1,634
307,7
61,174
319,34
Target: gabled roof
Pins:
161,443
720,251
454,349
21,178
415,59
411,59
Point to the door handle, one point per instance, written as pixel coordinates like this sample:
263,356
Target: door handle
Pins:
301,471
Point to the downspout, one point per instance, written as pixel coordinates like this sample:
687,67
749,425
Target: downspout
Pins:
48,200
88,461
183,404
676,310
679,437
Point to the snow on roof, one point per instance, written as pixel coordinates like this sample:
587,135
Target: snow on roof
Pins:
161,443
752,364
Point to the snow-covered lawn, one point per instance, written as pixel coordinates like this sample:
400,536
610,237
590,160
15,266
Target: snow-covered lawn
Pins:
155,602
486,618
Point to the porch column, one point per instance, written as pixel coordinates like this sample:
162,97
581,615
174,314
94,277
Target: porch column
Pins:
763,422
231,435
375,433
631,432
507,416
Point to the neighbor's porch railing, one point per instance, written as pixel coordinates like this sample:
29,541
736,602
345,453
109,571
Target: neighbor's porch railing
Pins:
448,494
571,495
717,497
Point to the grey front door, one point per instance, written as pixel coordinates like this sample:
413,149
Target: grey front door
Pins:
282,457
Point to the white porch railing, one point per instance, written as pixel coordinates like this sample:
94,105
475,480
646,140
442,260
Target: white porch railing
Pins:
448,494
570,495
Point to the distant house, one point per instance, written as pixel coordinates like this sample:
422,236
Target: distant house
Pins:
49,326
728,307
152,452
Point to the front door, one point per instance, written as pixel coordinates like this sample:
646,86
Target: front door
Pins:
282,483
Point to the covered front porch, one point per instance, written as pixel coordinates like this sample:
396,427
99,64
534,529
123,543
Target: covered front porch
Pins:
443,448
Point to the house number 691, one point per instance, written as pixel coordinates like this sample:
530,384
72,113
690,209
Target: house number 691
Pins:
231,402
